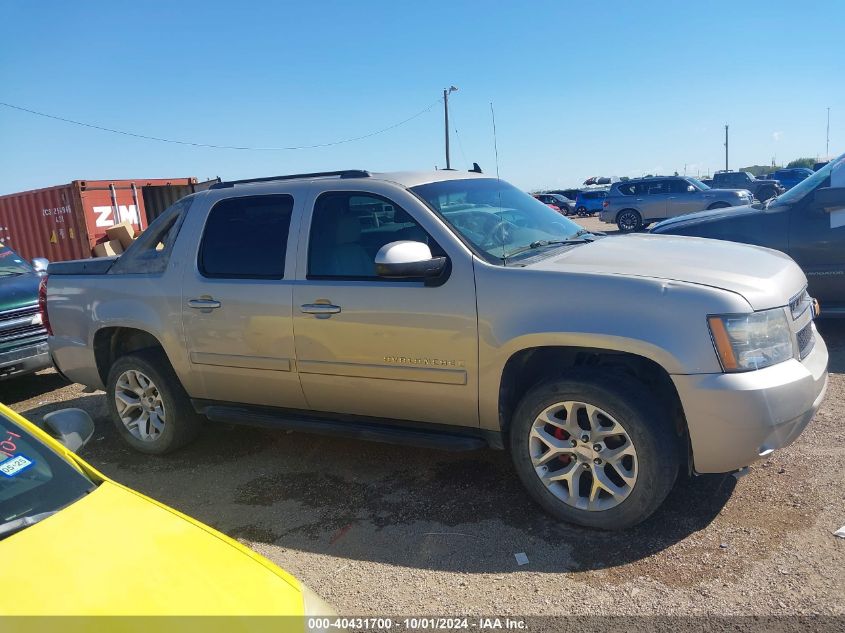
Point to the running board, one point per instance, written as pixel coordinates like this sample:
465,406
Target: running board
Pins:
369,431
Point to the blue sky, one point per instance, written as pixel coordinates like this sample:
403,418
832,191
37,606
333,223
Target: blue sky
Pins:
623,88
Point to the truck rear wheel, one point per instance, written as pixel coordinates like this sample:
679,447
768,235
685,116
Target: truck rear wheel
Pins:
594,449
148,404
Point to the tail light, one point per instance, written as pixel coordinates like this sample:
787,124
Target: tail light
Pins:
42,305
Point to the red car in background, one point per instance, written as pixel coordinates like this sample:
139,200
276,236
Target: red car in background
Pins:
559,203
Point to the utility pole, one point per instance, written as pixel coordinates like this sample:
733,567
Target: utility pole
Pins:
827,144
446,93
726,148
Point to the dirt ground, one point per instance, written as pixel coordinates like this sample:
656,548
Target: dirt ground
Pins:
385,530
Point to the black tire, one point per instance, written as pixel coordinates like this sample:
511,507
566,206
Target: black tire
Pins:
581,211
182,424
644,420
629,220
718,205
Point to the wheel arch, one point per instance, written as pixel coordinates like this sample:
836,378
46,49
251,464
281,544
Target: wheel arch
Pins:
635,209
529,366
112,342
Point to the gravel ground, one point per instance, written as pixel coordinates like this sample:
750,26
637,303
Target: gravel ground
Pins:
378,529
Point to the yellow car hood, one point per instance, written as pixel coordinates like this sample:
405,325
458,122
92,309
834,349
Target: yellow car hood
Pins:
115,552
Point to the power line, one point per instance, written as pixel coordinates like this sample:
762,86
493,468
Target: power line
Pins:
209,145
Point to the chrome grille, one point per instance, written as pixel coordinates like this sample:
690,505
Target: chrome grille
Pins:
806,340
21,324
799,304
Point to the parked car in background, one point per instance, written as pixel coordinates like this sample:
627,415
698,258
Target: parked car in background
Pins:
94,546
23,337
818,166
564,205
569,194
807,223
449,310
635,204
788,178
589,201
760,189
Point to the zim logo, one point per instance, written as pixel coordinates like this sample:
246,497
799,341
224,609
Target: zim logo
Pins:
126,213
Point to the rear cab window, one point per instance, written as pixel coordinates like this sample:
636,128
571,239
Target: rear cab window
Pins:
246,238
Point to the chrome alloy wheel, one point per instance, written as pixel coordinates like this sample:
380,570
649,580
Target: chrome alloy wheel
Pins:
139,405
628,221
583,456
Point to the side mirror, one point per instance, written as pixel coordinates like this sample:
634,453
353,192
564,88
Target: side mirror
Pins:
40,265
72,427
830,198
691,189
407,259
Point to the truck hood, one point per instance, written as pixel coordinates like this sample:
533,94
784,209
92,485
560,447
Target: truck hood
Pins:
703,217
764,277
115,552
17,291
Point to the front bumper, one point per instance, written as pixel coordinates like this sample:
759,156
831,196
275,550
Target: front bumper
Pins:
24,360
736,419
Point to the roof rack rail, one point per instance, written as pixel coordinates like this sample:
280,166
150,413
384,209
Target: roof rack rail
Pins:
345,173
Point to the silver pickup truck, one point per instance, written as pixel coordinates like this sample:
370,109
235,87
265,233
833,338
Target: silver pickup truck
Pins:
448,310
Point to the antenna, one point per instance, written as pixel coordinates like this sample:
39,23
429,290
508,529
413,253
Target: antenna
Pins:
495,142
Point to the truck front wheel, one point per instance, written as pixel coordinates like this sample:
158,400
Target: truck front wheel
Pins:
594,449
148,404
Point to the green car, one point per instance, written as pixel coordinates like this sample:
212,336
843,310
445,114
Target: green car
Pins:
23,335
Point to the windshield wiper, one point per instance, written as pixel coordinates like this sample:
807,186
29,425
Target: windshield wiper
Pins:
16,525
575,239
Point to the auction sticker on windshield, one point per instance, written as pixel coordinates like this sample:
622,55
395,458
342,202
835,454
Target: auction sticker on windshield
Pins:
15,465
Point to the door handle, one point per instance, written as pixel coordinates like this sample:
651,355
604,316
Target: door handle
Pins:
204,304
320,308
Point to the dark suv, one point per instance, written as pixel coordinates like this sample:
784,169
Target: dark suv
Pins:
807,223
763,189
23,337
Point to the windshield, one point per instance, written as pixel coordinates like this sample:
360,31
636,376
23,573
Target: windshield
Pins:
33,478
11,263
495,217
807,185
698,184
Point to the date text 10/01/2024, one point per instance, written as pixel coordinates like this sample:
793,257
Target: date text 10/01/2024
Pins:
415,624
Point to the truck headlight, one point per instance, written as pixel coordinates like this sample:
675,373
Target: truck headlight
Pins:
751,341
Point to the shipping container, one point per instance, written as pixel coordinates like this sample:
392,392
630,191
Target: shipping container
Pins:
66,221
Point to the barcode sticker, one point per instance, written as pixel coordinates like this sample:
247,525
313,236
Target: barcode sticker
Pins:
14,465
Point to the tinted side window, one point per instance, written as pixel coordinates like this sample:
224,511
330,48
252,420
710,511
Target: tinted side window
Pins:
246,238
628,189
678,186
658,187
348,229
